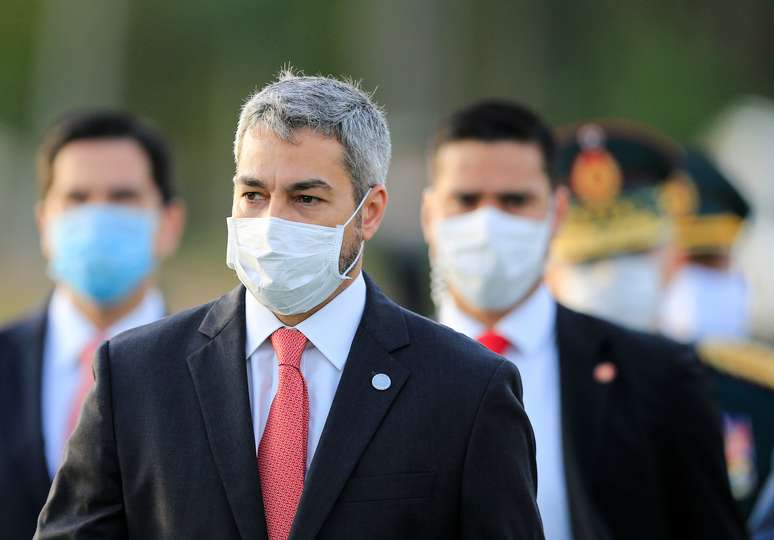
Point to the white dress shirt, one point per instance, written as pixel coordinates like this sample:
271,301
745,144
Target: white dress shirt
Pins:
329,332
531,331
68,333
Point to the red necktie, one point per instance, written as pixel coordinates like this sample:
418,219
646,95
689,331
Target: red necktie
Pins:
282,452
493,341
87,381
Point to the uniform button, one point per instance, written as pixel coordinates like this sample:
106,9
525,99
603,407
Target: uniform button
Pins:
381,381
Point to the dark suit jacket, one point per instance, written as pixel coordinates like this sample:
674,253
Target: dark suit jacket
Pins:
165,445
24,480
643,453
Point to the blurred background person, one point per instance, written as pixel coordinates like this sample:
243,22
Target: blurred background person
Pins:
636,219
708,302
107,214
628,441
706,297
741,139
609,258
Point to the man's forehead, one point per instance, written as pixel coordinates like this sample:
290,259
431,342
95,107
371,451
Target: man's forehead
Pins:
489,167
261,140
467,154
309,155
101,164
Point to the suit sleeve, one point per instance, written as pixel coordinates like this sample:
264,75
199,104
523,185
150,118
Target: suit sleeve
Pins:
85,500
701,504
499,479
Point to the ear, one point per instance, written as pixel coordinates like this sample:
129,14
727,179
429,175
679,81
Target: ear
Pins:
42,224
427,213
373,211
171,226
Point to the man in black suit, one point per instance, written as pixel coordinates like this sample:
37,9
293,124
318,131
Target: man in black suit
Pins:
305,404
628,443
107,212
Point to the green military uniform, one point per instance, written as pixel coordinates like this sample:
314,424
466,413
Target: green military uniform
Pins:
708,214
743,380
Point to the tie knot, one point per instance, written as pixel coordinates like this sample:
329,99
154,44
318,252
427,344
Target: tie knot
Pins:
493,341
289,344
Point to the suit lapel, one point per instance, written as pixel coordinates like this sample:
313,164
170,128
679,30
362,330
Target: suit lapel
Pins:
31,366
357,410
584,401
219,375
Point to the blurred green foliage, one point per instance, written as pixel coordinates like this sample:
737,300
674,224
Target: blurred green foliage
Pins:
188,65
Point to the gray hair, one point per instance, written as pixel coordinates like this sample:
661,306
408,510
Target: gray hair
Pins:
330,107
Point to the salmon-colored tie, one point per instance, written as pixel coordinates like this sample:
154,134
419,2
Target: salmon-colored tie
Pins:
282,452
493,341
87,381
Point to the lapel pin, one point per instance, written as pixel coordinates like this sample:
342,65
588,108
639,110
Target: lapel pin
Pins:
605,373
381,381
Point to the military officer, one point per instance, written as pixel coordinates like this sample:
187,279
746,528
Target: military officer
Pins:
609,258
706,296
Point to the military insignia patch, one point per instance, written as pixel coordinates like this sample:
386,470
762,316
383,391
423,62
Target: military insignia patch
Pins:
595,177
679,196
740,455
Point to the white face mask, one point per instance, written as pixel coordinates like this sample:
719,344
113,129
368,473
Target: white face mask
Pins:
703,303
624,289
288,266
489,257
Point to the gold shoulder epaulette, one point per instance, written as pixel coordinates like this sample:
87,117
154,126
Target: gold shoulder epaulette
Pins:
746,360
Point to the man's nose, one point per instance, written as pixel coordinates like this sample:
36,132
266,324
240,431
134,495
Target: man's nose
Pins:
489,201
278,207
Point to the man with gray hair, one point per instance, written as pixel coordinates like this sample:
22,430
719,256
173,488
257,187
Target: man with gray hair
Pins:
304,403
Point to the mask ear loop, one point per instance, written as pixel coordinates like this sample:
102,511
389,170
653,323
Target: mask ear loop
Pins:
359,207
362,243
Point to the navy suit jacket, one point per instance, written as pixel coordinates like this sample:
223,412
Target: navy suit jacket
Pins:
165,445
24,479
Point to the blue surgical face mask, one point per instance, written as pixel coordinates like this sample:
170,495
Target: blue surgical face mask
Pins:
102,251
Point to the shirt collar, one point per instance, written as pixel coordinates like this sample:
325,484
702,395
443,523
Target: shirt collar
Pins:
527,327
333,340
71,331
531,324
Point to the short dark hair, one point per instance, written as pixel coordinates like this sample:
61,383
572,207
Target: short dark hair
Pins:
106,125
495,120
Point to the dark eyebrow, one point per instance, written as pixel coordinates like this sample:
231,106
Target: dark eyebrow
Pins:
506,194
302,185
124,192
305,185
249,181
